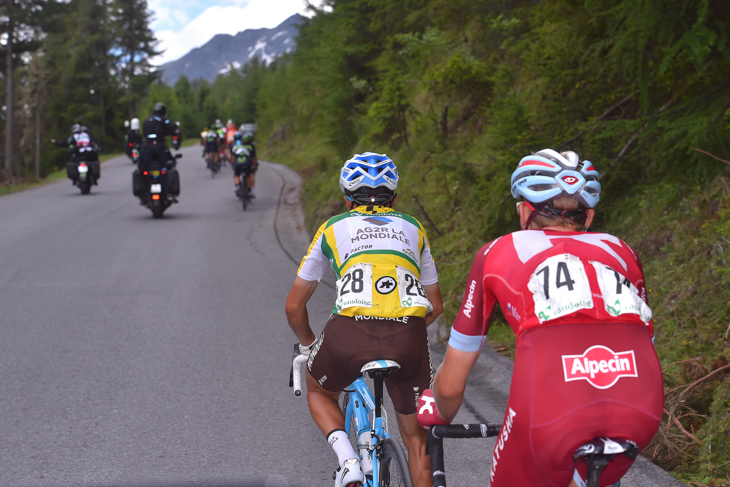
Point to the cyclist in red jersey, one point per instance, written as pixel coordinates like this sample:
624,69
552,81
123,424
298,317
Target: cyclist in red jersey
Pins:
585,364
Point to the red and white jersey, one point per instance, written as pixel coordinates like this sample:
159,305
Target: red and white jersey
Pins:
546,277
82,140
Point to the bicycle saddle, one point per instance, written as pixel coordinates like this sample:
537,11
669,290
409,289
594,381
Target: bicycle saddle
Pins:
383,365
607,447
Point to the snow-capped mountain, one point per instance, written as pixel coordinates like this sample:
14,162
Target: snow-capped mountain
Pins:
224,51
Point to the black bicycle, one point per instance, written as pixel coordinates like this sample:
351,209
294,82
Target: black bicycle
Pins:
597,453
244,193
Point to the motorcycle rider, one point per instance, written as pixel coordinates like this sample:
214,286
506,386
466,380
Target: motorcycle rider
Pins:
82,148
155,128
134,137
70,142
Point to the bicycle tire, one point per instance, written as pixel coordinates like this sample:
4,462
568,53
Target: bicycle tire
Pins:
244,193
393,465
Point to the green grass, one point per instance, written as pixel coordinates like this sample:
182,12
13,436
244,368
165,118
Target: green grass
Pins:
52,177
14,188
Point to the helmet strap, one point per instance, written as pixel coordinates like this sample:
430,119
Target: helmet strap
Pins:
535,211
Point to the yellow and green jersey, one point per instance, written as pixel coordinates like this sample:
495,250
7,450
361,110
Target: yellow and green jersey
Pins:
381,259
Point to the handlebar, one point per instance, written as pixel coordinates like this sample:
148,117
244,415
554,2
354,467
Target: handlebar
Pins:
435,443
295,373
477,430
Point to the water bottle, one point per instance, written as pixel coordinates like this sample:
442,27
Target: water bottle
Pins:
364,441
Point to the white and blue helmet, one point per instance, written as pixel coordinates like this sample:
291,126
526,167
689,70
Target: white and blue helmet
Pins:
548,174
368,170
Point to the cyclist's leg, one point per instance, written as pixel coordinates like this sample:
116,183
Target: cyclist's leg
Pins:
251,179
330,369
324,408
414,438
237,176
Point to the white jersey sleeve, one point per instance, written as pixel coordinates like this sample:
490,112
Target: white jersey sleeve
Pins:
428,267
315,264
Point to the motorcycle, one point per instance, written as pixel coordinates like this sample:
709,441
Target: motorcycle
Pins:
133,152
158,186
177,138
135,155
84,174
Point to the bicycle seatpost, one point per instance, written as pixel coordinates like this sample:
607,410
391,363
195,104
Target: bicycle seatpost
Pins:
378,377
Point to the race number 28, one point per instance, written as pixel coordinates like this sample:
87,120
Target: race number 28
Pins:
353,282
413,287
355,288
410,290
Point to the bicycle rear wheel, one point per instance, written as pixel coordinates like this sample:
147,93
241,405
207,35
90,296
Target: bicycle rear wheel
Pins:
244,193
394,470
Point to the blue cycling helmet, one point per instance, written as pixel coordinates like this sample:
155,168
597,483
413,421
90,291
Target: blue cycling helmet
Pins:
548,174
368,170
237,136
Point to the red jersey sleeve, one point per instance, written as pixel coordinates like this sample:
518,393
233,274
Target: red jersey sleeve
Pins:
475,314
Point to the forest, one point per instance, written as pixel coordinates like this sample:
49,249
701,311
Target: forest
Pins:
456,92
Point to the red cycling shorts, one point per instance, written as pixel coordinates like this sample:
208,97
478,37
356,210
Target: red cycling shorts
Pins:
570,384
349,342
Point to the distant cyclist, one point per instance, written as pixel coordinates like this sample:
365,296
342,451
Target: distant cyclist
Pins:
247,141
203,135
222,143
231,132
585,364
387,294
211,146
242,162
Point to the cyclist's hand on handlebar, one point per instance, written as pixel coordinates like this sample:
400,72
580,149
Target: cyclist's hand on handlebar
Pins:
428,415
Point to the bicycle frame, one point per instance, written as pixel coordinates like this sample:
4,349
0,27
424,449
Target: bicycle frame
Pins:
361,407
363,414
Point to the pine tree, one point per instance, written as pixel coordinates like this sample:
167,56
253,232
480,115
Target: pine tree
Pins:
136,44
22,22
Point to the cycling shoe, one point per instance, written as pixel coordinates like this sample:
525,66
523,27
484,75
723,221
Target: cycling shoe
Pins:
349,474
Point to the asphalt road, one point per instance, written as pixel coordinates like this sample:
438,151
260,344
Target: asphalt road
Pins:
138,352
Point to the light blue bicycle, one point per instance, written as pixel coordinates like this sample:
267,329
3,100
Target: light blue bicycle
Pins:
382,458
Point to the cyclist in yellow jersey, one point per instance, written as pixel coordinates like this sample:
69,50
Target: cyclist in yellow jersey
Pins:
387,294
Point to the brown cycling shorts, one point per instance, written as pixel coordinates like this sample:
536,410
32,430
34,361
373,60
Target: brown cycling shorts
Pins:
347,343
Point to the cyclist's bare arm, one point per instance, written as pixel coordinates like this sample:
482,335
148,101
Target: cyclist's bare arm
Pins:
434,296
296,309
450,381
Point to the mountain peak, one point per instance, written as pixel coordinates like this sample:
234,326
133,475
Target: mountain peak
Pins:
225,51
